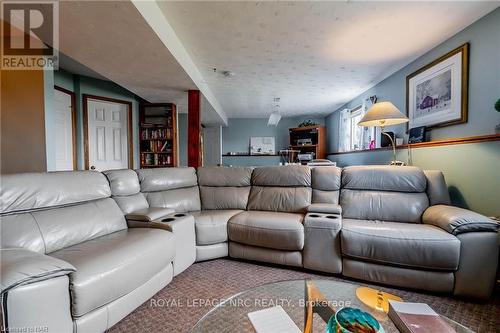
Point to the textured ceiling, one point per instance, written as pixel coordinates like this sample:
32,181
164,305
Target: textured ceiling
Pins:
110,39
315,56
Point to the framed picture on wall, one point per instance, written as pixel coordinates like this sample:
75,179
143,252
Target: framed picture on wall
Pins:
437,94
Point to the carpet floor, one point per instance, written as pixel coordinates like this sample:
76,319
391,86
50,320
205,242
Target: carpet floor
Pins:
172,308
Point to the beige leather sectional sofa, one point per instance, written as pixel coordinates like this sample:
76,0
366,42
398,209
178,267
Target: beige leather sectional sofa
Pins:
82,249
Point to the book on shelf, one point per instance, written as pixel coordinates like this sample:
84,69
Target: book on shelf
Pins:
153,159
156,134
417,318
164,146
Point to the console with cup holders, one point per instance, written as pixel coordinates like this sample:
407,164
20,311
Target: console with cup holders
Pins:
82,249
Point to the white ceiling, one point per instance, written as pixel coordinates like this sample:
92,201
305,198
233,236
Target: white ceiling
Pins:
315,56
110,39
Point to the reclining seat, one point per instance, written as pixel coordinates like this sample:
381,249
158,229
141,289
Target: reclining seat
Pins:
69,262
382,236
399,229
271,229
224,193
125,190
174,188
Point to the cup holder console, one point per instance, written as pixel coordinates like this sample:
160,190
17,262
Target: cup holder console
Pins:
324,216
175,217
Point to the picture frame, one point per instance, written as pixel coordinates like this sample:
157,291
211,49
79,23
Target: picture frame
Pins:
417,134
262,145
437,94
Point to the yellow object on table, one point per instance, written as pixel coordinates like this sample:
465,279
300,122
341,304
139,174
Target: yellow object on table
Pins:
376,299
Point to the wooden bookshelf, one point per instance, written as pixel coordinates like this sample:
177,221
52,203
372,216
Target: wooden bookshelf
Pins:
317,136
158,135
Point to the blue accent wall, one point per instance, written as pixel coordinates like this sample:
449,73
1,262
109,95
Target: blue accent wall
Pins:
236,138
484,83
471,170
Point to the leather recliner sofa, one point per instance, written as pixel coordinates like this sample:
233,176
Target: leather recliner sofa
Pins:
69,261
84,239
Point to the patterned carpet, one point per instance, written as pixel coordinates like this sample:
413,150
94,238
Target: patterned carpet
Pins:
221,278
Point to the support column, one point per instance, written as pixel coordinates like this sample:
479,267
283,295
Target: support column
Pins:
194,128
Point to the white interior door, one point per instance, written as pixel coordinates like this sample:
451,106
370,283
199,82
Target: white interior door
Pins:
107,135
63,131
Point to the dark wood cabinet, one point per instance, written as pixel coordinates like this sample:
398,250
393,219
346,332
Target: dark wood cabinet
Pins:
309,139
158,135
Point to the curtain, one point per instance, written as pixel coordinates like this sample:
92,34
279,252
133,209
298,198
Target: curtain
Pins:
344,131
368,133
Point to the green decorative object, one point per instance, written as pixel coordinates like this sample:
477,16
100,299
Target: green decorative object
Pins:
307,123
497,105
352,320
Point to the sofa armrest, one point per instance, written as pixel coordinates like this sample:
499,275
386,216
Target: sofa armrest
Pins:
152,224
324,208
149,214
21,266
457,220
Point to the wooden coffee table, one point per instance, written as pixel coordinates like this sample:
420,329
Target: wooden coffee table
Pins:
231,315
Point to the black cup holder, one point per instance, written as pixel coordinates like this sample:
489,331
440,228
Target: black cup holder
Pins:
179,215
332,217
168,219
313,215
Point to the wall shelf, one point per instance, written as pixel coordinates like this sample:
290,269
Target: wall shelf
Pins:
445,142
248,155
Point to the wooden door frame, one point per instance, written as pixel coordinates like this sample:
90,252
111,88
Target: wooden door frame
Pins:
73,122
85,98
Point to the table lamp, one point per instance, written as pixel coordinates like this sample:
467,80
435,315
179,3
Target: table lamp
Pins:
384,114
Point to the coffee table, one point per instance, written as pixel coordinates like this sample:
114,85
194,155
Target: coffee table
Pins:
231,314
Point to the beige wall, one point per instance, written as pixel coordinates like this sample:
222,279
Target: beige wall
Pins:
22,119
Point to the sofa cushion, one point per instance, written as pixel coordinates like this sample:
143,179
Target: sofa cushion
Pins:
326,178
123,182
52,229
437,190
31,191
384,178
327,197
162,179
224,188
111,266
281,231
289,175
211,225
224,177
131,203
383,205
402,244
181,200
125,190
174,188
279,199
224,197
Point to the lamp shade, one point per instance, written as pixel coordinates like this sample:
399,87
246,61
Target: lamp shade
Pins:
383,114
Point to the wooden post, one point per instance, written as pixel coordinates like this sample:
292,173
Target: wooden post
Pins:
194,127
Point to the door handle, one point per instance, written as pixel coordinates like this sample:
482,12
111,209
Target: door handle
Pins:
92,167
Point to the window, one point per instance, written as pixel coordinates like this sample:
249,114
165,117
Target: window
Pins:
351,136
356,132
